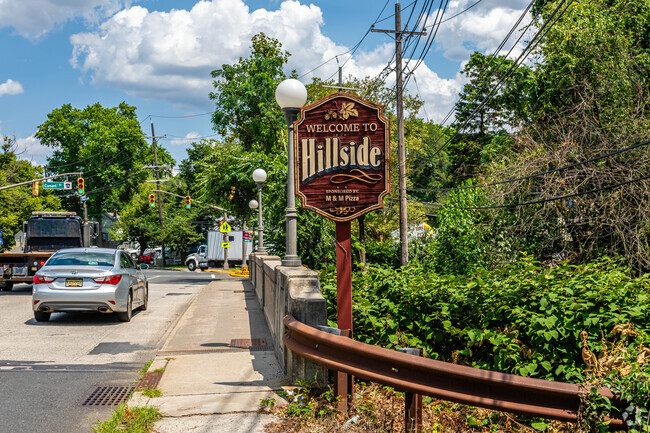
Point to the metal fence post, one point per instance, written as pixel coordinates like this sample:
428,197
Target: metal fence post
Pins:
412,401
343,382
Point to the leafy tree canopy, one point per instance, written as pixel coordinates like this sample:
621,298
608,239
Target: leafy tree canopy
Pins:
17,204
244,95
106,145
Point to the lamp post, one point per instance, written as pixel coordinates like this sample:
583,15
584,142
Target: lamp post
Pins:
291,94
259,176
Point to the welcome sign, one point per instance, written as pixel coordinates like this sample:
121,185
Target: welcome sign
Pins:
342,156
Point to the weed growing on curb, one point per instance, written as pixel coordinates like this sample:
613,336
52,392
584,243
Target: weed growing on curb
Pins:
129,420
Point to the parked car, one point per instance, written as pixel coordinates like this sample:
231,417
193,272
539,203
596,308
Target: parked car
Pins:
85,279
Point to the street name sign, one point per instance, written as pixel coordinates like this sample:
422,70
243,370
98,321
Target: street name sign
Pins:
342,156
57,185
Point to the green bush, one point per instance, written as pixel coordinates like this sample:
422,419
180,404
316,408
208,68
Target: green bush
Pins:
521,318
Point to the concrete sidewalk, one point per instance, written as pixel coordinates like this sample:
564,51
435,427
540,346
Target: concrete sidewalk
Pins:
218,365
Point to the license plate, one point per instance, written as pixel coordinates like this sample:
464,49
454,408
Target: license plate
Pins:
74,282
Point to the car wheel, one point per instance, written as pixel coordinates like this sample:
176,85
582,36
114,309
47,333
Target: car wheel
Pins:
191,266
6,286
41,316
144,305
125,316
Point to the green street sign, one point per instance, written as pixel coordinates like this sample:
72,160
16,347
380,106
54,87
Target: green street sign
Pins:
52,185
57,185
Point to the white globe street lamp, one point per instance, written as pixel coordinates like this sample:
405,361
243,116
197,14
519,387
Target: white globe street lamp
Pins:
259,176
291,94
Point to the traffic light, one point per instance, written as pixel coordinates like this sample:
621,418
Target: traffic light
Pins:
232,193
80,186
35,188
152,200
188,202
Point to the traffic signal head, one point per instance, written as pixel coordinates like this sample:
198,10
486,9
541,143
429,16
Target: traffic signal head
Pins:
80,186
152,200
188,202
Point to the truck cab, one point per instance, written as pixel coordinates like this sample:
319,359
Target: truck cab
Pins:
45,233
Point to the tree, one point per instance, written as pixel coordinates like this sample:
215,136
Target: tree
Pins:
106,145
17,204
244,95
587,96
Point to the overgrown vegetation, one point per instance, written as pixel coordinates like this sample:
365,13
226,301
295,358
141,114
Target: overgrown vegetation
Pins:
521,318
376,408
129,420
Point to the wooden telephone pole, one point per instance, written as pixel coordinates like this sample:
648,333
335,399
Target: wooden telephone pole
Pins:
401,151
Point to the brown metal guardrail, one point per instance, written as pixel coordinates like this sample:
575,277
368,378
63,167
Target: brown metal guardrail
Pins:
443,380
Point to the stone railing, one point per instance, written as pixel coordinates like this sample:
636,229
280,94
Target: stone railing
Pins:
285,290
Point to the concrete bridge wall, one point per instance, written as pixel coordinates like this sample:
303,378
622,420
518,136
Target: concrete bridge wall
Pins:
285,290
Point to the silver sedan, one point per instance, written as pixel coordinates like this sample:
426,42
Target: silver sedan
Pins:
89,279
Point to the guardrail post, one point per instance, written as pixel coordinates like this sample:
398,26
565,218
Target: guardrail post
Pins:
343,382
412,401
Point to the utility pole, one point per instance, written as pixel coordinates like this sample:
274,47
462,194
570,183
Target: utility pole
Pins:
401,150
156,168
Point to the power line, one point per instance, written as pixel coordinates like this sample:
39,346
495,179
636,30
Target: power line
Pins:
352,50
540,201
566,167
522,56
179,117
461,12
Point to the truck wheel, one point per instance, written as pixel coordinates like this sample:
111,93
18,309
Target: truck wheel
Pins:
191,265
6,286
40,316
126,315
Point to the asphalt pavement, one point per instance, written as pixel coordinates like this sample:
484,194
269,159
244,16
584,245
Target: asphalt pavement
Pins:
217,365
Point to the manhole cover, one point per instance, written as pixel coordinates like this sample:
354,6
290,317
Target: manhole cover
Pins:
107,395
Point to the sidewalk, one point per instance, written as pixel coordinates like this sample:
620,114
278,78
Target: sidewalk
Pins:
218,365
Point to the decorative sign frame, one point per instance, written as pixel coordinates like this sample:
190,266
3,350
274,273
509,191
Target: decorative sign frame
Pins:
342,156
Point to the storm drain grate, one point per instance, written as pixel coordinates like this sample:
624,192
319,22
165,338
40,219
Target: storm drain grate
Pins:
150,380
248,343
107,395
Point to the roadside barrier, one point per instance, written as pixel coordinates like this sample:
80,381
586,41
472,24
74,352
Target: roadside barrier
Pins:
443,380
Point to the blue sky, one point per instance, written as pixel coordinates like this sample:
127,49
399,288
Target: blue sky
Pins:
157,54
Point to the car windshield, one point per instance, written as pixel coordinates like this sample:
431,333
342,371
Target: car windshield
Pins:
82,259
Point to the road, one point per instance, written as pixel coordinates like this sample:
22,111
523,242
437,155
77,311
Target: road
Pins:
47,368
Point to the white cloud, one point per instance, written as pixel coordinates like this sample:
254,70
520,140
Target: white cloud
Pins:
34,18
185,141
481,28
32,150
169,55
11,87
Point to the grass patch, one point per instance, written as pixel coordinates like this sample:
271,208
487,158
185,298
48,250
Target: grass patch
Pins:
152,392
145,368
129,420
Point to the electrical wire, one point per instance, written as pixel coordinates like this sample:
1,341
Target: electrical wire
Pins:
461,12
352,50
566,167
516,63
540,201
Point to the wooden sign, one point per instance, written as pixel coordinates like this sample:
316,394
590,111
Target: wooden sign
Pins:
342,156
